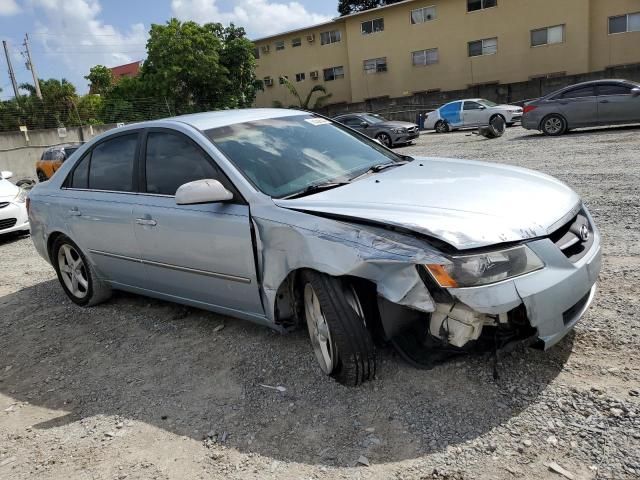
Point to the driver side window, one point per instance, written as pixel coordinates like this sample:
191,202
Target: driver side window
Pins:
172,160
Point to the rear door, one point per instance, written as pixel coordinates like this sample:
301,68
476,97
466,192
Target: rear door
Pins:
579,106
98,203
474,114
616,104
202,253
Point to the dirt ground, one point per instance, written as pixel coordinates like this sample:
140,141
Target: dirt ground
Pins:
142,389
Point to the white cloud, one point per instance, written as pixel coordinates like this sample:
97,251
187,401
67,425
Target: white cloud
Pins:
71,32
8,7
258,17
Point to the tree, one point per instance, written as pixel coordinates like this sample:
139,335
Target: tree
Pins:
56,109
100,78
200,67
306,103
345,7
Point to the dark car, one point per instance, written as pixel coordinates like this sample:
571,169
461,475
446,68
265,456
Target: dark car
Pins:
588,104
52,158
389,132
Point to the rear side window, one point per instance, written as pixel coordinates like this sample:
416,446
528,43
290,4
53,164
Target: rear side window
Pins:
614,89
173,160
111,166
80,175
579,92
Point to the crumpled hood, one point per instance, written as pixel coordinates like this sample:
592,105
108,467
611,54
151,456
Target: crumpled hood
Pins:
467,204
8,191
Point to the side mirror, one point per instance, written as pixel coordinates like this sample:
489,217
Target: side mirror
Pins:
482,107
6,174
364,124
202,191
635,91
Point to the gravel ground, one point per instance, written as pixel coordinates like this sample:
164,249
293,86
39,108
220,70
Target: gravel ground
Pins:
140,389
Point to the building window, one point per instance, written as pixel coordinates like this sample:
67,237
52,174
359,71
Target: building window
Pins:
473,5
375,65
625,23
422,15
279,45
256,53
547,36
425,57
330,37
488,46
282,79
372,26
300,77
333,73
296,42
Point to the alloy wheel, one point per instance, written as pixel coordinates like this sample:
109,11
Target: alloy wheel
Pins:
73,271
323,346
553,125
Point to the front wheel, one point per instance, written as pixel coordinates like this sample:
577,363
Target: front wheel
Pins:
554,125
385,139
341,341
442,127
76,275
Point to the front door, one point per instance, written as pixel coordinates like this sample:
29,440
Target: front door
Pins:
201,253
579,106
616,104
474,114
98,203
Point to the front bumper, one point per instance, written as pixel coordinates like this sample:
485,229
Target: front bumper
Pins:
555,297
14,218
406,138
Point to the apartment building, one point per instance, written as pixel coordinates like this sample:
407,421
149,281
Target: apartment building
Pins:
420,46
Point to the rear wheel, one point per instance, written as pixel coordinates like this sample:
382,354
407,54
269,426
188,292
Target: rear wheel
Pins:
76,275
554,125
442,127
41,176
339,336
385,139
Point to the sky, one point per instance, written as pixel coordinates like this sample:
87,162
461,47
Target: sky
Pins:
68,37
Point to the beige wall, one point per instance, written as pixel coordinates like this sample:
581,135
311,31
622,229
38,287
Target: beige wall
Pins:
587,47
612,50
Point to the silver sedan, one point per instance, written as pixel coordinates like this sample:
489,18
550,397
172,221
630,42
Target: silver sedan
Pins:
287,219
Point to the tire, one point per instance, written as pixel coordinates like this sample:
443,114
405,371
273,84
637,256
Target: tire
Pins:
345,350
553,125
69,262
442,127
385,139
41,176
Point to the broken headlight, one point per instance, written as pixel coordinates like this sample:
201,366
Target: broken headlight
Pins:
485,268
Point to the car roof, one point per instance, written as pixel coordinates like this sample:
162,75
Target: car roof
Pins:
222,118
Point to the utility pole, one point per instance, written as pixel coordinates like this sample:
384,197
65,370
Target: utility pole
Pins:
11,74
32,67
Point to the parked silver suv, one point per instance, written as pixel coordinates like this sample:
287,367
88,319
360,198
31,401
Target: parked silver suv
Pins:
589,104
389,132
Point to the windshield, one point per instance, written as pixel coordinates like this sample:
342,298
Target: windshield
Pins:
487,103
372,118
283,156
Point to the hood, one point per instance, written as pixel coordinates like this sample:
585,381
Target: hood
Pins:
395,124
8,190
466,204
509,108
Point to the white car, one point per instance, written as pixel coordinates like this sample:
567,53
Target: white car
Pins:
13,206
474,112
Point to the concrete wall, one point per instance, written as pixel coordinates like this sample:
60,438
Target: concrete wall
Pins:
20,156
587,47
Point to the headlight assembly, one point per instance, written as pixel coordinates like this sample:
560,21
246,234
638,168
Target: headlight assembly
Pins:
485,268
399,130
21,197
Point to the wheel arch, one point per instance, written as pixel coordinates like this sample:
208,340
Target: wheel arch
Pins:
51,240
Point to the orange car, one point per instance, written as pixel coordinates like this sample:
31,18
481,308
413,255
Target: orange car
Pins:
52,158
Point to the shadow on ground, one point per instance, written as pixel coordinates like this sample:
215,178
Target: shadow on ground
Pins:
169,366
535,135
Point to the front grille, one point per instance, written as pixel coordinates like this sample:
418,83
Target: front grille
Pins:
7,223
570,315
570,237
3,204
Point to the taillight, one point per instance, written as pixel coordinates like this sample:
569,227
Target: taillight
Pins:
529,108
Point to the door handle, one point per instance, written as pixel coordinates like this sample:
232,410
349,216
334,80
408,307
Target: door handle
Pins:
74,212
604,101
148,222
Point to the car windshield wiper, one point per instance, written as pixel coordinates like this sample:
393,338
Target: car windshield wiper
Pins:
311,189
378,168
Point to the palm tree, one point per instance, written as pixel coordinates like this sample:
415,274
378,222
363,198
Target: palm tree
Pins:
306,104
